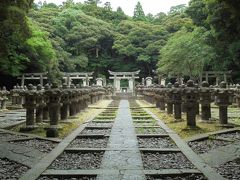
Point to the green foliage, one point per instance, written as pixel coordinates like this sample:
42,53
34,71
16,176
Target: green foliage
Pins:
186,53
90,37
40,50
14,32
139,14
141,42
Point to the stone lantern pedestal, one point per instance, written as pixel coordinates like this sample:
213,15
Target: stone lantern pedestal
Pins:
177,101
191,98
169,98
54,105
223,100
205,101
65,102
30,106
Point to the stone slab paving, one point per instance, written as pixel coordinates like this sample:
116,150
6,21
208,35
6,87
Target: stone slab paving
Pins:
222,155
12,118
123,154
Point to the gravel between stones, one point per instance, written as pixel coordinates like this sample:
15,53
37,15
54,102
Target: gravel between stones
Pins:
232,135
162,160
230,170
175,177
109,125
150,131
41,145
67,178
11,170
80,160
207,145
89,142
9,136
156,142
96,131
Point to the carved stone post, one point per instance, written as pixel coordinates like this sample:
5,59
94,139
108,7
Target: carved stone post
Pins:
169,98
190,98
54,105
46,100
30,106
223,101
40,103
205,101
65,102
177,101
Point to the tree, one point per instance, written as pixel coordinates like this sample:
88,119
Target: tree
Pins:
14,31
179,9
139,43
186,53
139,14
197,10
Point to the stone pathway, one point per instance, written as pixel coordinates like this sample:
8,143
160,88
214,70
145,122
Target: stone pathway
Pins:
123,158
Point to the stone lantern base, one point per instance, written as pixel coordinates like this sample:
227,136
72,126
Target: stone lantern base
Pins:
52,131
28,128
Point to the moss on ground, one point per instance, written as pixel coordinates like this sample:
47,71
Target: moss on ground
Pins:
180,127
67,127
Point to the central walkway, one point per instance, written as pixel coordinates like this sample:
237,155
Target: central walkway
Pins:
123,158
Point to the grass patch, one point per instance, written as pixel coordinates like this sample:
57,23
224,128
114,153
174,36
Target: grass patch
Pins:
71,125
180,127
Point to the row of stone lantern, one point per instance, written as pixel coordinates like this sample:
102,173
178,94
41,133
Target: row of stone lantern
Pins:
187,99
3,98
54,103
16,95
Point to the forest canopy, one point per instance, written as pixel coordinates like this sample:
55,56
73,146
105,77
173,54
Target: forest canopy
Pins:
73,37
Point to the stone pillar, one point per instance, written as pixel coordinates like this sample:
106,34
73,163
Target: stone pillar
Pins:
130,84
30,106
72,108
23,80
190,98
168,98
46,100
40,104
84,82
143,81
223,101
148,81
183,106
118,87
65,102
205,101
177,101
4,98
99,82
54,110
41,80
163,81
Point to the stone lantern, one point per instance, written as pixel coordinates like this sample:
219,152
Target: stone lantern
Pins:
237,95
46,100
30,106
65,102
190,98
4,94
177,101
40,103
223,100
197,103
13,93
169,98
205,101
73,100
54,105
183,106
